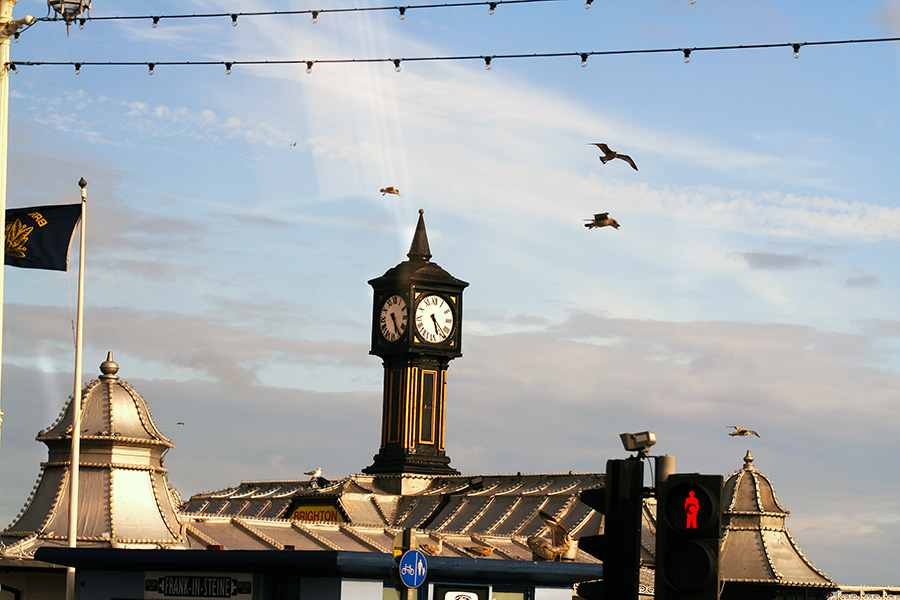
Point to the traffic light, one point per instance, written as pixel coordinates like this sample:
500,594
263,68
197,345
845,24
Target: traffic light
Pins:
620,500
688,534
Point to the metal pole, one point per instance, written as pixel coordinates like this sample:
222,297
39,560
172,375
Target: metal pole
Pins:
6,7
8,28
76,405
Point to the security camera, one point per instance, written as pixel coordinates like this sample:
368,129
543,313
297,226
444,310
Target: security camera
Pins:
638,442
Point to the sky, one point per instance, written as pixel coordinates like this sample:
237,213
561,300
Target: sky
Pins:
234,221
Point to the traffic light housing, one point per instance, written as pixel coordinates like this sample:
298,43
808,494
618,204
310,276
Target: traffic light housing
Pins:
621,502
688,535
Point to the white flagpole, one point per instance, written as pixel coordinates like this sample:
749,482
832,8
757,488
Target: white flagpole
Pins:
76,405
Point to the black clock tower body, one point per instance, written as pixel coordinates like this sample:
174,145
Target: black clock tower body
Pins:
416,348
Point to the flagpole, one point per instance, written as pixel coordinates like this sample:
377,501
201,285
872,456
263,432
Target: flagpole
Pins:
76,405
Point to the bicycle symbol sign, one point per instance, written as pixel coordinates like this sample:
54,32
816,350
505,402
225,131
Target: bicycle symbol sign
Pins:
413,568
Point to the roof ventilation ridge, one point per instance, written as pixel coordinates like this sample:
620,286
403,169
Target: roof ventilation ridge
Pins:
243,524
378,509
503,516
366,540
453,512
315,536
478,514
200,535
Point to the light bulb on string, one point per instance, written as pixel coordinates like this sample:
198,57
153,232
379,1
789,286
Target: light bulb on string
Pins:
81,23
397,65
402,10
12,67
487,63
693,1
492,7
150,68
588,4
315,16
78,68
584,59
796,50
234,20
309,65
687,55
16,37
155,22
228,68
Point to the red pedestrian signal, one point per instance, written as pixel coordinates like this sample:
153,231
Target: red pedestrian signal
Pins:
688,534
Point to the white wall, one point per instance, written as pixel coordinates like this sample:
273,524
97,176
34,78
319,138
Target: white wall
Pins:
552,594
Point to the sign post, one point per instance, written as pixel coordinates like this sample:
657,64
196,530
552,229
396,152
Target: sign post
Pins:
413,568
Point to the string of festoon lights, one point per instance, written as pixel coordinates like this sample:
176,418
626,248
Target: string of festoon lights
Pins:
488,60
314,14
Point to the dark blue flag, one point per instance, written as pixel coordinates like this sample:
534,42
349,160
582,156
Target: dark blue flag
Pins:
39,237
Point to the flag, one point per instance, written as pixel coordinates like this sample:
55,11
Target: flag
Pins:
39,237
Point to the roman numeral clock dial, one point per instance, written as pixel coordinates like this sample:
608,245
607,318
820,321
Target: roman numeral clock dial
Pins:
392,318
434,319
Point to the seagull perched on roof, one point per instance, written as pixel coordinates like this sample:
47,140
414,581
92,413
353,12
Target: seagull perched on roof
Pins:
480,550
432,549
314,474
389,190
742,431
601,220
609,155
561,539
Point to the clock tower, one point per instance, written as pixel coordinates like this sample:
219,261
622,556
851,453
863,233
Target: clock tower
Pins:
417,331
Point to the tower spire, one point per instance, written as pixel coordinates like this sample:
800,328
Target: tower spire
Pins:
419,249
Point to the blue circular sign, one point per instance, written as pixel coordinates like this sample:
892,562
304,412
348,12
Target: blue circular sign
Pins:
413,568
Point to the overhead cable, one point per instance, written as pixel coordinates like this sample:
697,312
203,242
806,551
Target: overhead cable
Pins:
487,59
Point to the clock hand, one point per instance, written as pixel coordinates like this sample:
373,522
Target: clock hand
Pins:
394,319
437,328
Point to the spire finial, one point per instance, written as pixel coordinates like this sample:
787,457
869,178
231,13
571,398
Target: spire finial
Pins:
419,249
748,461
109,368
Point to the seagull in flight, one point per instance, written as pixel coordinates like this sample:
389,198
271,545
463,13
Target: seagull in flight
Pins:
609,155
742,431
389,190
601,220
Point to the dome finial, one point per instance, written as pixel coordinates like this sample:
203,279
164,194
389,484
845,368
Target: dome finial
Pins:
748,461
109,368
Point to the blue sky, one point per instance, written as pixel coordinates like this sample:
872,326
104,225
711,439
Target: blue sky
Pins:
753,280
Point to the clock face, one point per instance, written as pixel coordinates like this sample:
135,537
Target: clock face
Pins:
434,319
393,317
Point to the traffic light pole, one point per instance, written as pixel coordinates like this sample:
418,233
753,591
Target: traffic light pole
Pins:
621,501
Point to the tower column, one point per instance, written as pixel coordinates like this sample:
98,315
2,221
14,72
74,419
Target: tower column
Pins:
417,331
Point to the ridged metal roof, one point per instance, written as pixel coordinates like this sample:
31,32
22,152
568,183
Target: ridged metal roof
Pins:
499,511
757,547
125,499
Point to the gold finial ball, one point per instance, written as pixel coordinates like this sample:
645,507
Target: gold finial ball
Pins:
421,211
109,368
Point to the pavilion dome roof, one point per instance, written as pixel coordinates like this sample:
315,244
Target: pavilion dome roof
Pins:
124,497
757,547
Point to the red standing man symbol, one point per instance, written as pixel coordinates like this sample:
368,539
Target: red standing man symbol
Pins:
691,508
